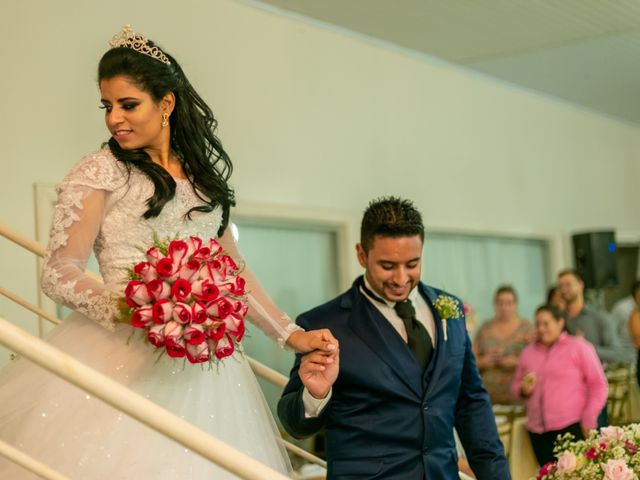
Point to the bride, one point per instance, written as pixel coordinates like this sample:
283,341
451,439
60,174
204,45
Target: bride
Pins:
162,172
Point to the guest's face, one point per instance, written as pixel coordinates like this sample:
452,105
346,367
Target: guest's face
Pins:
548,328
506,305
133,118
570,287
392,265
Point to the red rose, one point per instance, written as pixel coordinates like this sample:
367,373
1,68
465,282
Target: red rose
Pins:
176,350
201,254
198,313
146,271
172,333
162,310
198,353
136,293
154,256
159,289
205,290
181,290
189,270
142,317
166,268
214,271
235,327
235,285
220,308
194,334
178,251
155,336
182,313
216,330
224,347
229,262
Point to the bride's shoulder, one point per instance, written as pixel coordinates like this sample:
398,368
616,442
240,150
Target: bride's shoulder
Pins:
99,169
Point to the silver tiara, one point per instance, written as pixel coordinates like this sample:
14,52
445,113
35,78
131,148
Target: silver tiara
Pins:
129,39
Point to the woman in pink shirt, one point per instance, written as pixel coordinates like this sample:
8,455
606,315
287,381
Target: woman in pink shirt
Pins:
562,382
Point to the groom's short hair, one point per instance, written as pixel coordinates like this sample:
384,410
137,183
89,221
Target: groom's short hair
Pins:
390,217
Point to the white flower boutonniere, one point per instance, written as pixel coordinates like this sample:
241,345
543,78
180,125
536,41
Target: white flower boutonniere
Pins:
447,307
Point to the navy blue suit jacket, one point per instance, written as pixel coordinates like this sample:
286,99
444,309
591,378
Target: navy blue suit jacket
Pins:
388,418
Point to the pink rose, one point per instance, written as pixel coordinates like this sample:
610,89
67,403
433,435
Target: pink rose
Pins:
154,256
630,447
182,313
225,347
181,290
236,286
193,244
166,268
617,470
214,271
567,462
142,317
178,251
194,334
162,310
201,254
146,271
220,308
155,336
198,353
172,332
136,294
612,434
159,289
189,270
205,290
198,313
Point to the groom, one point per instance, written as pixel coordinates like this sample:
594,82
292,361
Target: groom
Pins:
404,375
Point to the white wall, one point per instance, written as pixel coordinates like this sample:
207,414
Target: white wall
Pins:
316,119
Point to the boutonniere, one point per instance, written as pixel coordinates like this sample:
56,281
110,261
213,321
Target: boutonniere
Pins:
447,307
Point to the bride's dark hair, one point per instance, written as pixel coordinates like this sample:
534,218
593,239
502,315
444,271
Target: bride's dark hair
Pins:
206,164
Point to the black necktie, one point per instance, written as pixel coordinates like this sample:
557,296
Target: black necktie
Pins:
418,339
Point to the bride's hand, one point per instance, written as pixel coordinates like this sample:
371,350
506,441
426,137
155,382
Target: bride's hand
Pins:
304,342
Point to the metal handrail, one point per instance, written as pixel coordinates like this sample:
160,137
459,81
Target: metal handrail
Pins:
259,368
133,404
29,463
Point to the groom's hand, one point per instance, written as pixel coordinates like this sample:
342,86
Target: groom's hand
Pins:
318,371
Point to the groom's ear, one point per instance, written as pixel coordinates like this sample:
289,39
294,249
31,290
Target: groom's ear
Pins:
362,255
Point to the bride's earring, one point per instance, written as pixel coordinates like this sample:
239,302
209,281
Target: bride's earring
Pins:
165,119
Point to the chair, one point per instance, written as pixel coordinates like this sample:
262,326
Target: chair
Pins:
619,379
505,416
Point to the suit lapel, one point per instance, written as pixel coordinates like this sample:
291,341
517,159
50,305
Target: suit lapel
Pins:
376,331
437,361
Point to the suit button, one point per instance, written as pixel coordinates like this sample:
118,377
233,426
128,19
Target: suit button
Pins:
424,451
425,407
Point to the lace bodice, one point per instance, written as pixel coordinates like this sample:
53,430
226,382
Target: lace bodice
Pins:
100,206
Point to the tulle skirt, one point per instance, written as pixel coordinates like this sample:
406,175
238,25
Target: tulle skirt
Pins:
84,438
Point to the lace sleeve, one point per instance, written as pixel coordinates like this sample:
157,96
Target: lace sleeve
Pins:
262,311
77,218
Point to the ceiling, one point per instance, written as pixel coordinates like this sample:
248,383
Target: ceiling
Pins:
586,52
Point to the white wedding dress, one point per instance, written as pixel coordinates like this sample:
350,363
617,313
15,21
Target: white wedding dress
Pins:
100,205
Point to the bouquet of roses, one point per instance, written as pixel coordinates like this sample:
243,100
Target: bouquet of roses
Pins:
188,298
611,454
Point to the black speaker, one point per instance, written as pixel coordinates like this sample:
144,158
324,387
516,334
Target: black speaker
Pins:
595,256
